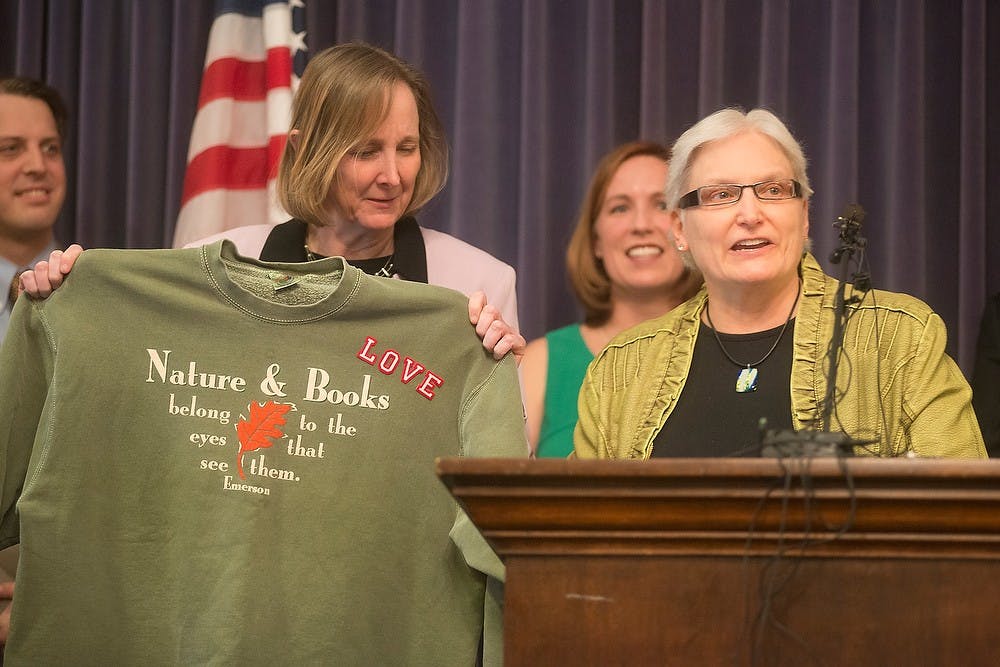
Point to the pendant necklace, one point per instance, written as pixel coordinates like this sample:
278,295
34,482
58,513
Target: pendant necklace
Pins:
384,272
746,381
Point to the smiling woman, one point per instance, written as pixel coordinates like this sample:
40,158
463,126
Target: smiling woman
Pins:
751,346
373,184
624,269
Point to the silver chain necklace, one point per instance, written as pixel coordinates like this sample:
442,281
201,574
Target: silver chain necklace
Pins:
384,272
746,381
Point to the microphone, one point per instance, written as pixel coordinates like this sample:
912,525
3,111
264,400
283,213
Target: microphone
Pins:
849,225
823,442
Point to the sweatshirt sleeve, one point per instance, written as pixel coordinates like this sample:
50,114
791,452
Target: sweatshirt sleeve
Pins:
26,367
492,425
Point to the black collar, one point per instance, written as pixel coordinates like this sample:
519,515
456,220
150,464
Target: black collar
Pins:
287,243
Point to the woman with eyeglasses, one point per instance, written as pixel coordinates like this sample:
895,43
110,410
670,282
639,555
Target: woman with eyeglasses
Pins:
749,351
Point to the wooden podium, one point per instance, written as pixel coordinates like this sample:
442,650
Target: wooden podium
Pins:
742,561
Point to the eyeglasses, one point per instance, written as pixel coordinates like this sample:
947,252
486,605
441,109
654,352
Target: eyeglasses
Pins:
725,194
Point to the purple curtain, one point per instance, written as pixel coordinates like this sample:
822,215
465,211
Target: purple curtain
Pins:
891,101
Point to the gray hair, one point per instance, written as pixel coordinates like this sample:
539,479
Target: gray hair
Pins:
721,125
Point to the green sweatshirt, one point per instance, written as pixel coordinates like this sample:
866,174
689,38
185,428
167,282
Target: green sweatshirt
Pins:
213,460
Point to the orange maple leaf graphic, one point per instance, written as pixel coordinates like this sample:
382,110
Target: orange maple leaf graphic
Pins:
258,431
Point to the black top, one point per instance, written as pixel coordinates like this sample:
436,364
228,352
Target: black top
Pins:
711,418
287,243
986,376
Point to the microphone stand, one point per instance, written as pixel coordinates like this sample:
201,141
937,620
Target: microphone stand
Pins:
783,443
850,243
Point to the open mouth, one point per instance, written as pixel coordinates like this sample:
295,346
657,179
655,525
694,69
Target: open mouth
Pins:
34,195
751,244
644,251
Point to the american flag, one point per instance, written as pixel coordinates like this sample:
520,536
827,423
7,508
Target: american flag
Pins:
256,49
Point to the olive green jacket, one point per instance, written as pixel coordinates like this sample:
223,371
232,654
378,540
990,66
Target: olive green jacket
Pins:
898,386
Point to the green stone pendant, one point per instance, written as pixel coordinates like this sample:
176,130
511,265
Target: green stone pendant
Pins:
747,380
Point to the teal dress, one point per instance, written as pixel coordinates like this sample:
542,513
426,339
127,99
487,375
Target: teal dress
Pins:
568,361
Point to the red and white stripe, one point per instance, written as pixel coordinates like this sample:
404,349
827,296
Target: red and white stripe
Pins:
240,128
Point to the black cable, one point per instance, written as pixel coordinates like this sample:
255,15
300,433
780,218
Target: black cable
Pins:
773,578
747,629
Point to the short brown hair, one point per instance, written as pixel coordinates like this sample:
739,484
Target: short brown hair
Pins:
587,276
25,87
342,99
